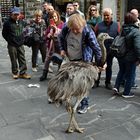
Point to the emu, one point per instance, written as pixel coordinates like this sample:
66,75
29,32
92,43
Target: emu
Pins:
74,79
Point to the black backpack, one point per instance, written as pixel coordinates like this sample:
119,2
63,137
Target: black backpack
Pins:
119,46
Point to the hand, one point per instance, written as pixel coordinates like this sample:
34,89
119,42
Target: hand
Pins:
62,53
49,35
103,68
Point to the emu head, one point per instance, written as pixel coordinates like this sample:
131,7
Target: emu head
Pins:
102,37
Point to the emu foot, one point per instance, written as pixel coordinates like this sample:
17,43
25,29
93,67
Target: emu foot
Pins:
69,130
80,130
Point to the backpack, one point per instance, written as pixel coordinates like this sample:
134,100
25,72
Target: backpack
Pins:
119,46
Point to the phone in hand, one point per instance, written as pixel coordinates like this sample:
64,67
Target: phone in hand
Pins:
52,22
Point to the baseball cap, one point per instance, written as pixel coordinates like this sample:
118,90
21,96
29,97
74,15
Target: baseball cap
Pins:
15,10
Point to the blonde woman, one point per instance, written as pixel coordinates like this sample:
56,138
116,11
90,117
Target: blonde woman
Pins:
78,42
39,27
93,16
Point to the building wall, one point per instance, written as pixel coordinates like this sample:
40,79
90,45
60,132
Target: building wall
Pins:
133,4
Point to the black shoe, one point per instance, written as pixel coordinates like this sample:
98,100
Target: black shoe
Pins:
44,76
96,84
108,86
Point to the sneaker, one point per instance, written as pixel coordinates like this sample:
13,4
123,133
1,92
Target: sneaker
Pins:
135,86
50,101
34,69
115,91
96,84
25,76
83,110
15,76
129,95
108,86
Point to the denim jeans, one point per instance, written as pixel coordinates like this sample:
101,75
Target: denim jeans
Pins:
134,76
85,102
133,79
126,69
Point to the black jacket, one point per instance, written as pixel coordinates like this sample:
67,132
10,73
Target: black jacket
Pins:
13,32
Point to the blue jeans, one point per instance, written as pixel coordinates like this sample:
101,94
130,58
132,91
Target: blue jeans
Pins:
85,102
134,76
126,69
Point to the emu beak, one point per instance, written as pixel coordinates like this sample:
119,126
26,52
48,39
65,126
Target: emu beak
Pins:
109,37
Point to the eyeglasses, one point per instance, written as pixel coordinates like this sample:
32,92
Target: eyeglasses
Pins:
75,5
93,9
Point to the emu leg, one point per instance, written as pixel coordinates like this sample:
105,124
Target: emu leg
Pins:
70,127
77,128
73,121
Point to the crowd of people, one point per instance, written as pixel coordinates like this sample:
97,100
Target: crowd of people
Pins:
74,36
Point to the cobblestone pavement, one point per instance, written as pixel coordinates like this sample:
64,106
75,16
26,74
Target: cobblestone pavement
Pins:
26,115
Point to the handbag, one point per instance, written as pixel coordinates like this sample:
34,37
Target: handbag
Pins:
28,36
28,41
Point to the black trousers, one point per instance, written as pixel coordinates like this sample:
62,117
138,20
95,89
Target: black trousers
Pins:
109,61
35,49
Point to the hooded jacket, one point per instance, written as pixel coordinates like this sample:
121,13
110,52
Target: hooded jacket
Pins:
132,41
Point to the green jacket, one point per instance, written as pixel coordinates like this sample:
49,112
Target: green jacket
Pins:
93,21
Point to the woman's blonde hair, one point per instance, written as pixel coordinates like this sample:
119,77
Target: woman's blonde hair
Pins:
76,19
38,12
89,11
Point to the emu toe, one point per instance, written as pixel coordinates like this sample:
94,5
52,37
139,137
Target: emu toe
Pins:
69,130
80,130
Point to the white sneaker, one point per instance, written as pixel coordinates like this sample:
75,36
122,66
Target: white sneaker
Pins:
130,95
50,70
83,110
50,100
34,69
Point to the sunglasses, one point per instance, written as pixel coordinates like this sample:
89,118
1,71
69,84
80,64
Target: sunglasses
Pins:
93,9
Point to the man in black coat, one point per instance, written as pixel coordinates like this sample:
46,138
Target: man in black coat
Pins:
13,33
